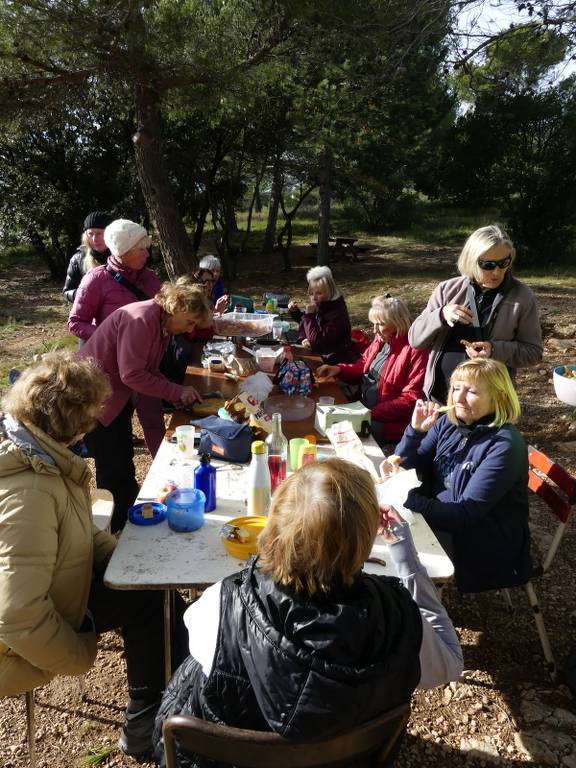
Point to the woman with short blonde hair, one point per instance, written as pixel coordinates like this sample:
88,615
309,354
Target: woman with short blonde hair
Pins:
473,464
185,296
325,324
485,313
479,242
129,346
303,642
386,310
390,372
321,528
496,381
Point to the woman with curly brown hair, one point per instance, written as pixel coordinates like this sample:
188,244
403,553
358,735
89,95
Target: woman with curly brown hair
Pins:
53,602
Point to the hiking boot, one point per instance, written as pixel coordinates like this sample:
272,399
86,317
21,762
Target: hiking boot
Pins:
136,736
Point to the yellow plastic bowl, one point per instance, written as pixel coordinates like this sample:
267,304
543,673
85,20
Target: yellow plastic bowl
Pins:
254,524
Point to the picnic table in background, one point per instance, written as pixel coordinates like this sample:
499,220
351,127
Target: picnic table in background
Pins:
343,247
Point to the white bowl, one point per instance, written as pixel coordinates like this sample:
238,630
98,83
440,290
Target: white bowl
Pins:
564,386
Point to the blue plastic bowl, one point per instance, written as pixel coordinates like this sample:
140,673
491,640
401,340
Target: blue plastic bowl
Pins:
158,513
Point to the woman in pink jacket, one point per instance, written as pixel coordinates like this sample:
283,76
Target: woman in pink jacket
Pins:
128,347
124,278
390,372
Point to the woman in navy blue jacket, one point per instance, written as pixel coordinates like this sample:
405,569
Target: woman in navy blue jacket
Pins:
474,466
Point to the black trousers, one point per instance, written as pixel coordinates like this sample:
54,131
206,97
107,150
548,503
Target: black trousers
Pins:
113,452
139,615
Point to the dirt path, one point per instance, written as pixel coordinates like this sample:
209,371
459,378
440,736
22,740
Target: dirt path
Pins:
504,711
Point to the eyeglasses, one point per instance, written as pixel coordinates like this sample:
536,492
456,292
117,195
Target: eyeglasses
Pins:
489,266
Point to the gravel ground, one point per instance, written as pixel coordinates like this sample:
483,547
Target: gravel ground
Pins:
504,711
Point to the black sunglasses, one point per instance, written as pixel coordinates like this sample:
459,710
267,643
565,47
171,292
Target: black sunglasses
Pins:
491,265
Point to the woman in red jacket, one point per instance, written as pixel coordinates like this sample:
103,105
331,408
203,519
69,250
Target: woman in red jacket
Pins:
390,372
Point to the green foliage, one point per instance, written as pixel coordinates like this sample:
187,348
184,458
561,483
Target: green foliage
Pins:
518,62
97,755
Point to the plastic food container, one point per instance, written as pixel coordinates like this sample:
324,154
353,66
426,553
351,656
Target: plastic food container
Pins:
292,407
267,357
240,535
248,324
565,386
185,509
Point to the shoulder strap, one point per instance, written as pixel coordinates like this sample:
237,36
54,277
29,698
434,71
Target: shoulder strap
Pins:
140,295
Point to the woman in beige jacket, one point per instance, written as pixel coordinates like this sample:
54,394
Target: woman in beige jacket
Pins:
52,559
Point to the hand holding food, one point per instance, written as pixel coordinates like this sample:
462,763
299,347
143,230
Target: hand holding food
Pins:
327,370
221,304
292,305
425,414
456,313
477,348
390,466
306,343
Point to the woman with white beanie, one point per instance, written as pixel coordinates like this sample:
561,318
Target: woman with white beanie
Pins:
325,325
124,279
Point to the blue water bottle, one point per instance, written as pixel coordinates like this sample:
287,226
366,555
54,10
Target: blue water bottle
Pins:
205,480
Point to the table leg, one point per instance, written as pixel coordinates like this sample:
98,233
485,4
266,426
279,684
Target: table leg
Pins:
168,596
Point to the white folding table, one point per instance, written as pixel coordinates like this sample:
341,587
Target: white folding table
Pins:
155,557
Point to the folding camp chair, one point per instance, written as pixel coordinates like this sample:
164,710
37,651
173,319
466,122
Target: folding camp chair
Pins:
557,488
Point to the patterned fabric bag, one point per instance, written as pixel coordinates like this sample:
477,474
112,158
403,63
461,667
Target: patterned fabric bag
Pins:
294,377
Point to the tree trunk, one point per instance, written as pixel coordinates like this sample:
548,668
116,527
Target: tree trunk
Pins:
275,193
203,215
325,179
200,223
174,241
56,271
255,196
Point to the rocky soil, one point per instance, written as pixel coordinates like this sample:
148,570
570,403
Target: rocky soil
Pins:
505,711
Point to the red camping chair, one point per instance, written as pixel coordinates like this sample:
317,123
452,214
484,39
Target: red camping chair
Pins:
360,339
557,488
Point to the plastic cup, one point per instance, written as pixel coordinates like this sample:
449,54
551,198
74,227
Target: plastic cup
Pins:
307,453
325,400
294,447
277,330
185,441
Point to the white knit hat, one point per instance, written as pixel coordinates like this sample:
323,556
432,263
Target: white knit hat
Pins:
123,235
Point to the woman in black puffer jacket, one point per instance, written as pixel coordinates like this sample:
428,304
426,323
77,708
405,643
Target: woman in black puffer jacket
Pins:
302,642
91,253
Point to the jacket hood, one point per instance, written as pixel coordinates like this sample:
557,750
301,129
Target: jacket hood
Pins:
24,446
345,647
333,629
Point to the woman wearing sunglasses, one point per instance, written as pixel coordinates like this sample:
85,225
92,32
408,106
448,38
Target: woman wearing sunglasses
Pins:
485,313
